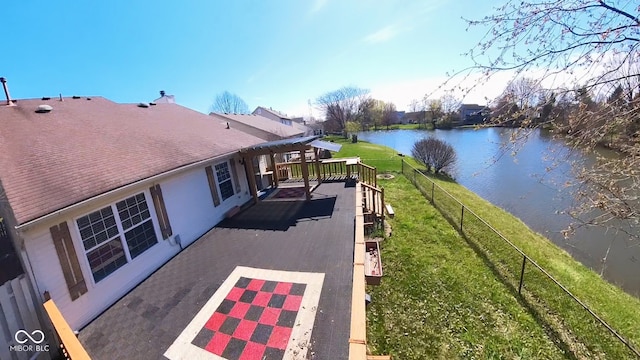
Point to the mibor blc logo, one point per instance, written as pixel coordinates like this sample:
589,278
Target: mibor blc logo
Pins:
29,341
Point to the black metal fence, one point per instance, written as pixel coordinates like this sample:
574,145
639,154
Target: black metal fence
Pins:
577,327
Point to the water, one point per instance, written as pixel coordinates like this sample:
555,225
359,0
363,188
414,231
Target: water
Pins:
532,186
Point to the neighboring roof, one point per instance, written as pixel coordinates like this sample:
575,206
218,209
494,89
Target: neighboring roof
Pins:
262,123
271,111
83,148
165,99
283,143
301,127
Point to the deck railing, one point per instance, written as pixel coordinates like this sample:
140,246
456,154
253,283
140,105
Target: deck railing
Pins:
70,346
330,169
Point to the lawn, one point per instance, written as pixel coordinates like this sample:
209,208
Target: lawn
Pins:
444,296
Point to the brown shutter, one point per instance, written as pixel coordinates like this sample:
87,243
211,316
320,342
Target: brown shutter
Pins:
68,260
234,174
161,211
212,186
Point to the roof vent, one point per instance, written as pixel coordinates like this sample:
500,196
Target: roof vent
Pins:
152,104
143,105
46,98
44,109
75,97
88,98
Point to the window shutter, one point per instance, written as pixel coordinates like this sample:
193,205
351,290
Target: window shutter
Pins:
234,174
212,186
161,211
68,260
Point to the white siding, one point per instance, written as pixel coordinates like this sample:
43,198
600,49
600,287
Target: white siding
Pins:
190,205
191,213
47,271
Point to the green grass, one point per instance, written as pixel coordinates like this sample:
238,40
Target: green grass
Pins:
448,296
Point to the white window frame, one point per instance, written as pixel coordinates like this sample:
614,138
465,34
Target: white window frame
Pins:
219,183
121,233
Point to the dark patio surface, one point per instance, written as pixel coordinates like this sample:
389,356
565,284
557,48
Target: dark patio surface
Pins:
279,235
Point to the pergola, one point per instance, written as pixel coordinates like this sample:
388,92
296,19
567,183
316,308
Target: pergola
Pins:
271,148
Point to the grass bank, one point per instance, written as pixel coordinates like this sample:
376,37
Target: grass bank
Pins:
444,296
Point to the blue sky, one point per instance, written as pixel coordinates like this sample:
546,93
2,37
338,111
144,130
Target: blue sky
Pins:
272,53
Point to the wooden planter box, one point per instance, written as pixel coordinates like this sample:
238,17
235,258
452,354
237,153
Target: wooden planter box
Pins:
372,263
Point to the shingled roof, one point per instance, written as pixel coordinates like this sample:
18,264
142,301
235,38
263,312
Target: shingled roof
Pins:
83,148
262,123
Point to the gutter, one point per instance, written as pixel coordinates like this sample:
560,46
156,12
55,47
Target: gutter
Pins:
30,224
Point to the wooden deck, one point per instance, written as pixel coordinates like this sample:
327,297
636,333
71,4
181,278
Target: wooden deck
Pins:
314,236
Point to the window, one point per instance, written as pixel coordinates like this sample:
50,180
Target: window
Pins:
224,180
116,234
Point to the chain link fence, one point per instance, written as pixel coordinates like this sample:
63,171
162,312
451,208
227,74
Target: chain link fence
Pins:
579,330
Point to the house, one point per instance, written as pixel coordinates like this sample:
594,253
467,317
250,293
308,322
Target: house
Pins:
259,126
263,128
471,114
297,123
273,115
418,117
97,195
165,99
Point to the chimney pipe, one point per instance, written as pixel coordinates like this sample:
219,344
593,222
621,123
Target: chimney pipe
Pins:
6,91
162,93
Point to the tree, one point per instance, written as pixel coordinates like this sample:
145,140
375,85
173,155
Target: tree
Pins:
388,114
229,103
563,43
342,105
418,112
435,154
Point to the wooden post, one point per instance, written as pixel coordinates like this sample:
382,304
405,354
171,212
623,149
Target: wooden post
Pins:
316,153
382,206
275,169
375,177
251,176
305,173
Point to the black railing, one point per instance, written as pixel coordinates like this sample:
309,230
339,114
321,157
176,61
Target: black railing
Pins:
541,292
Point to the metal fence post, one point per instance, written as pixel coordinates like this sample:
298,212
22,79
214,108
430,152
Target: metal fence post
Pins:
461,217
402,165
524,261
433,185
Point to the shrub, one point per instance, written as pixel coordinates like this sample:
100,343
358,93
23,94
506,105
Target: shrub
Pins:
435,154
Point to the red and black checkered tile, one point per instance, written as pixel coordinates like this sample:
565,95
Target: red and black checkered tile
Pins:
289,193
254,321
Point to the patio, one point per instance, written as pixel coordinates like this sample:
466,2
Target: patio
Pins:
285,236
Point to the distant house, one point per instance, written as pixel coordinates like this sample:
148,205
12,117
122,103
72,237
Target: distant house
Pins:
273,115
264,128
165,99
259,126
471,114
97,195
297,123
399,117
418,117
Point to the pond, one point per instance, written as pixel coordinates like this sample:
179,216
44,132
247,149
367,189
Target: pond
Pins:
531,186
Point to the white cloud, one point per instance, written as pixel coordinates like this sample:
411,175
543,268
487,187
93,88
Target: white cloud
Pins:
401,93
318,5
382,35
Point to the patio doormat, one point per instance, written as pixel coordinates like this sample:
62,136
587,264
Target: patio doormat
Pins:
255,314
288,193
